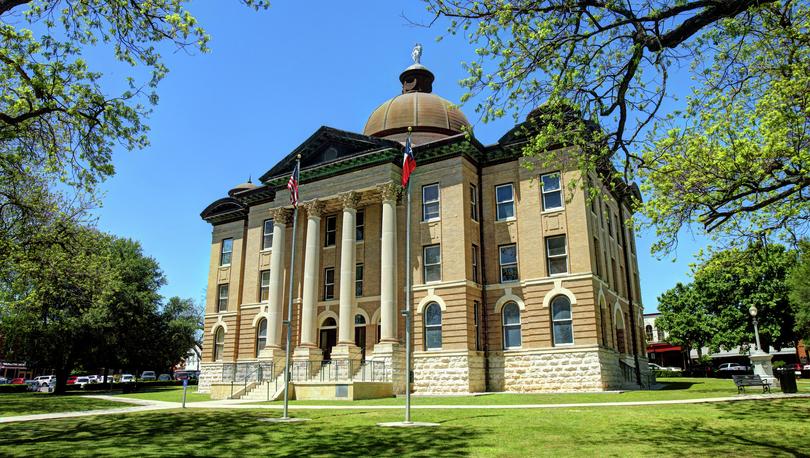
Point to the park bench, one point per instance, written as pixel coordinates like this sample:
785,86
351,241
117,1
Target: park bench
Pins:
751,380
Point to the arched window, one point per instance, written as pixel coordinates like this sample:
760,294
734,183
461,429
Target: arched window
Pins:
648,331
561,322
219,344
261,335
329,323
359,320
433,327
511,326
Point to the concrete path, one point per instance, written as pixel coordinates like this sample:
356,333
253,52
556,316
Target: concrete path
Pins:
146,406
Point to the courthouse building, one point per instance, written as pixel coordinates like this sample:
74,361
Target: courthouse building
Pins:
520,282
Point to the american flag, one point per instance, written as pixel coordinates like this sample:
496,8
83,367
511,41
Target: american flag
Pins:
292,185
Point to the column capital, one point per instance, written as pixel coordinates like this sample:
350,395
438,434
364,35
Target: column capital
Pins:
389,191
314,208
349,199
281,215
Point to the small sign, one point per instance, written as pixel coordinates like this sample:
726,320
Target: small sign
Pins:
185,383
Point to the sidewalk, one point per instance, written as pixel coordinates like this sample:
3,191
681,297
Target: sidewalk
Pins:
146,406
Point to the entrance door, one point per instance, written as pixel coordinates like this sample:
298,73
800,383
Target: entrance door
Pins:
328,338
360,334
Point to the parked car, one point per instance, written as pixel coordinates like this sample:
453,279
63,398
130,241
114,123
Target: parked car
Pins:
186,375
165,377
72,379
3,381
18,381
34,385
100,379
732,367
656,367
92,378
81,381
127,378
148,376
44,380
806,367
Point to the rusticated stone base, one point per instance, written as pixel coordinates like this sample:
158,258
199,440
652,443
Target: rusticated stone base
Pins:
210,373
393,358
448,372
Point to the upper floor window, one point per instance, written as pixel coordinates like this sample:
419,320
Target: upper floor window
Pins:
562,323
508,261
511,326
226,252
219,344
552,191
264,286
358,280
597,256
648,330
430,202
360,225
331,231
261,335
328,283
222,297
432,263
267,234
475,257
473,202
504,202
557,255
433,326
609,218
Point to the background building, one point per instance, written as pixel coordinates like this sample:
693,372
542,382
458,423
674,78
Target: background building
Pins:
520,282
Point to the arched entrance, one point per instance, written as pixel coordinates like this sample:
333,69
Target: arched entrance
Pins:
360,334
620,341
327,337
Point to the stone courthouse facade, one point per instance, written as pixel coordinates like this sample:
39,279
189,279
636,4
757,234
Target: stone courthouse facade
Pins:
520,282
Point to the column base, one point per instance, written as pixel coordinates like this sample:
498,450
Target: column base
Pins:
761,363
276,355
393,355
306,362
343,352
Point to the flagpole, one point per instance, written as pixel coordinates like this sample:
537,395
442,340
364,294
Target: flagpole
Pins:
407,313
288,322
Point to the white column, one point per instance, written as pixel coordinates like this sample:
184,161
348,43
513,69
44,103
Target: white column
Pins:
347,269
281,216
311,270
388,263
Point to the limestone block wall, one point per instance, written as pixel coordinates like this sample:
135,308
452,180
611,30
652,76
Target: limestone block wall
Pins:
537,370
209,373
611,373
448,372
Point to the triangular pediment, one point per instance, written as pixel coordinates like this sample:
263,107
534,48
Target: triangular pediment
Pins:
325,146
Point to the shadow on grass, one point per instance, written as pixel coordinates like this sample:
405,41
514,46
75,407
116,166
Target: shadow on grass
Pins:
677,385
37,403
750,428
231,433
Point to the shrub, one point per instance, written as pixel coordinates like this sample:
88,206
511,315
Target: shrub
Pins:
664,373
13,388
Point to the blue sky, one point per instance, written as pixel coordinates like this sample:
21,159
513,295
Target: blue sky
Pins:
271,79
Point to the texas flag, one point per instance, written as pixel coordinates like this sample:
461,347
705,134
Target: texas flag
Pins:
408,162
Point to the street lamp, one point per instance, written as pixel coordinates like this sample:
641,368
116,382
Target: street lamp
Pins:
753,311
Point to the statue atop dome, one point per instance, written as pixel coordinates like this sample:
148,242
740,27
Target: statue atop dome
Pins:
416,54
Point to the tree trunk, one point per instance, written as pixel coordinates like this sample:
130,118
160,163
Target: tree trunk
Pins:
62,374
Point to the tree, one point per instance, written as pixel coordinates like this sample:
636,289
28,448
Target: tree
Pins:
798,283
734,160
81,298
57,123
685,318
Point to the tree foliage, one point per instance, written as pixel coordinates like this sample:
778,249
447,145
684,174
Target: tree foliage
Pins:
715,306
57,122
735,159
799,292
79,298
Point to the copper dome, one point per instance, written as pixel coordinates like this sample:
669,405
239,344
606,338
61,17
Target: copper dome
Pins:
430,116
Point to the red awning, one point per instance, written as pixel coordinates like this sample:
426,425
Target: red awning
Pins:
662,348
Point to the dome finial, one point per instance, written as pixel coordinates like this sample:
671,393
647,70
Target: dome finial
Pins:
416,54
250,178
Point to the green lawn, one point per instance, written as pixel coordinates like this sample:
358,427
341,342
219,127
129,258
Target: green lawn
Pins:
752,428
675,388
34,403
167,393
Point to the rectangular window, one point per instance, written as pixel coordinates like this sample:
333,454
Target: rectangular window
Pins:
552,191
476,311
609,218
619,228
358,280
597,255
226,252
623,282
562,322
592,196
432,263
632,237
504,202
264,286
473,202
602,213
360,225
508,261
331,231
475,258
430,202
222,298
557,255
267,234
613,272
328,283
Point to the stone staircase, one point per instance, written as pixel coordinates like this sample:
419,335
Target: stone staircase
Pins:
268,390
